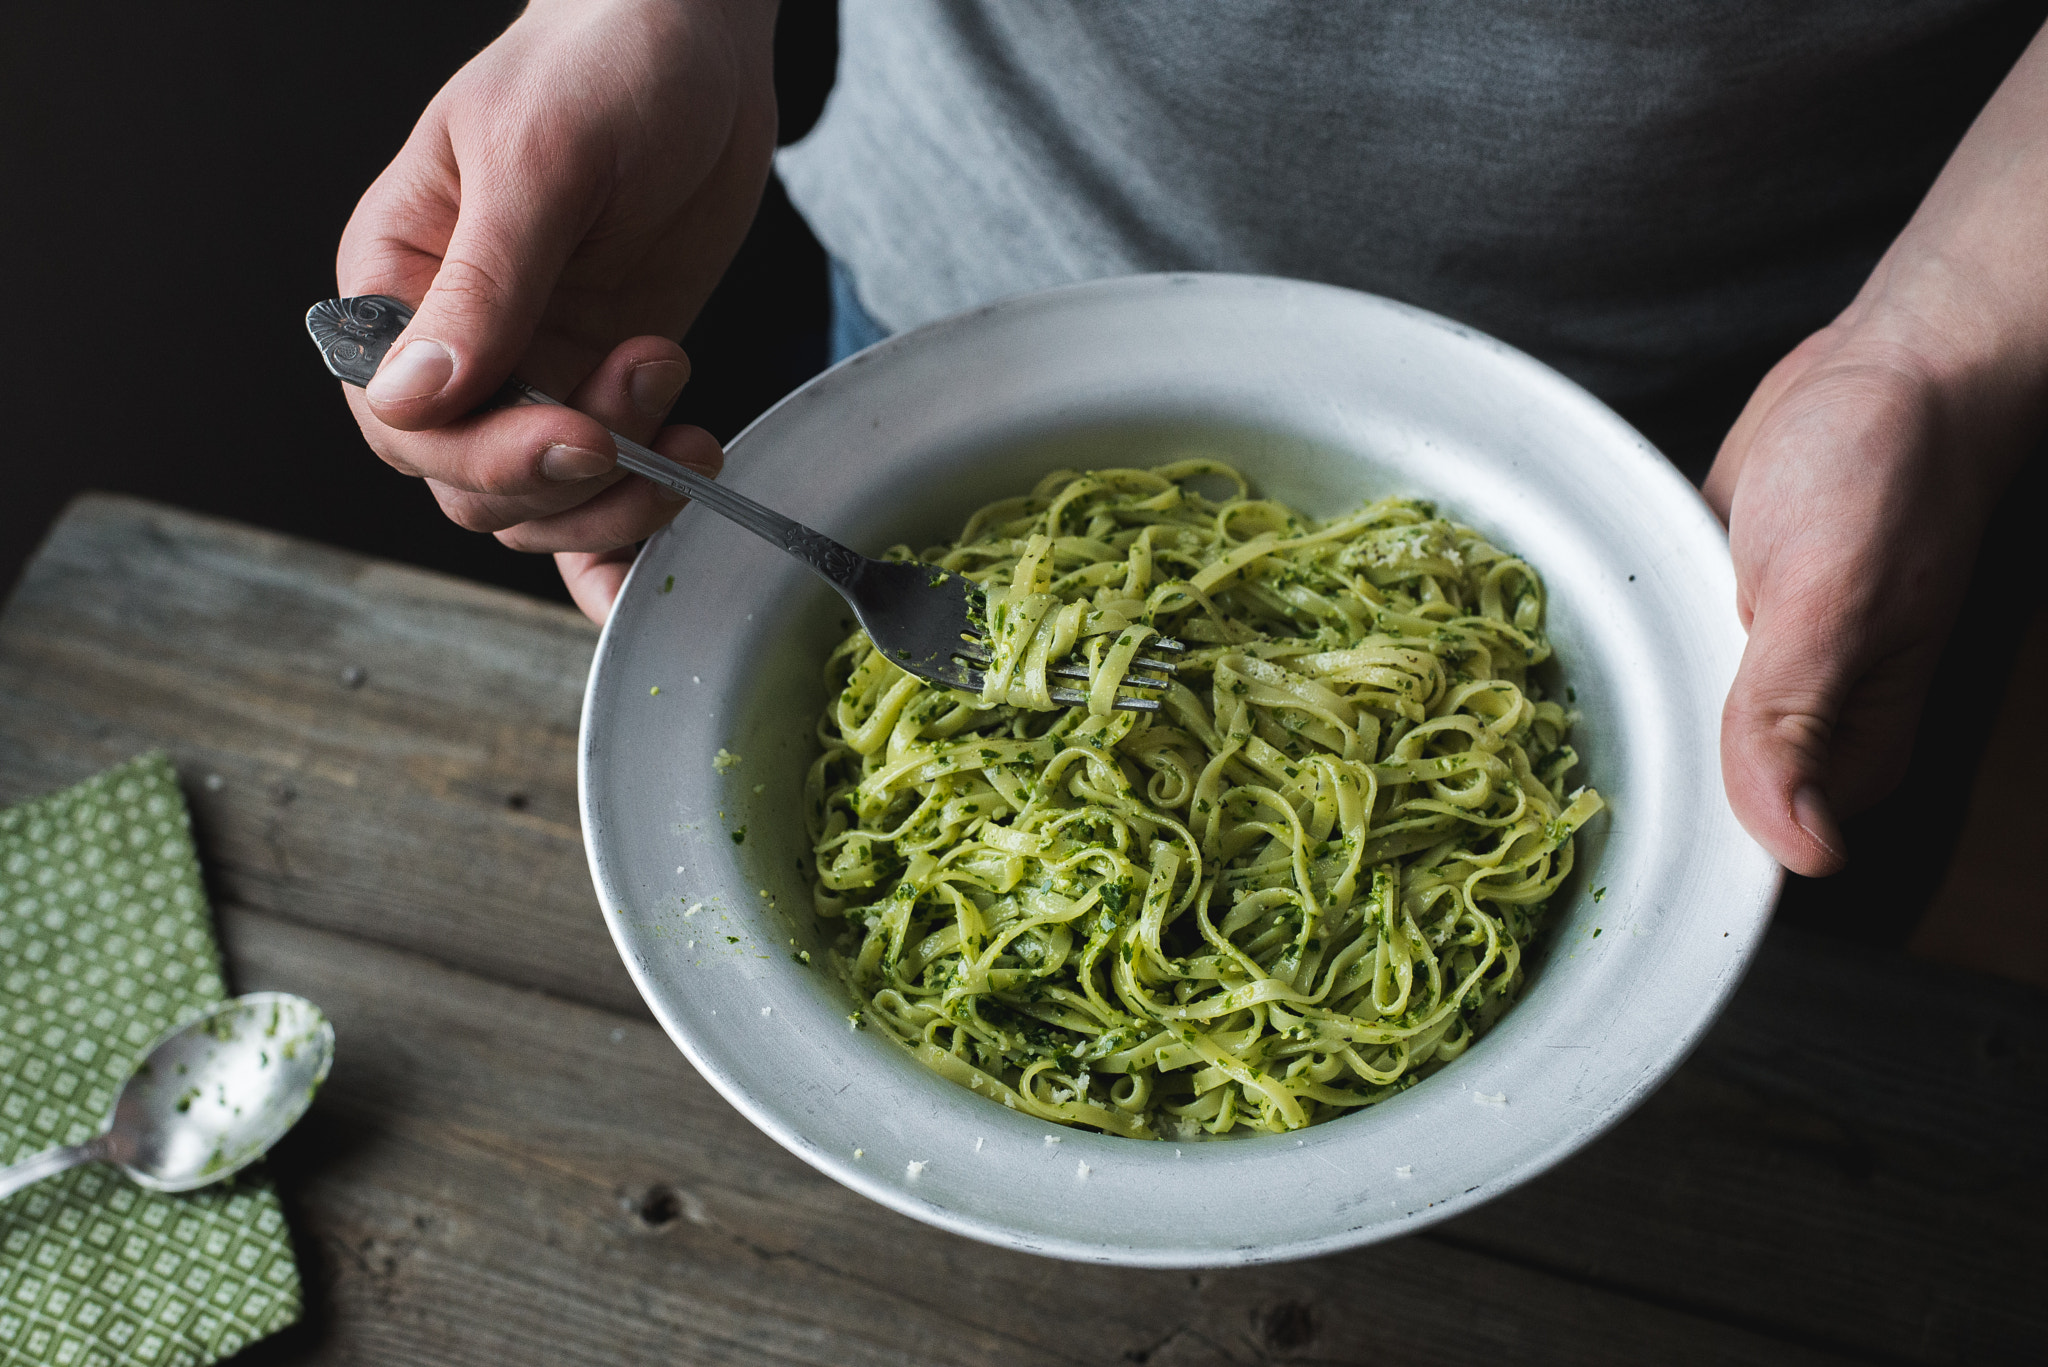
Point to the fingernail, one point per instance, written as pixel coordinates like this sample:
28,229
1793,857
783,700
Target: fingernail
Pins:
566,463
414,371
1810,810
654,386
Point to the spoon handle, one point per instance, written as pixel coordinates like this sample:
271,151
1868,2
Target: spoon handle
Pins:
49,1163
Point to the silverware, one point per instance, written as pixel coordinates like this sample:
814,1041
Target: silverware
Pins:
924,621
207,1100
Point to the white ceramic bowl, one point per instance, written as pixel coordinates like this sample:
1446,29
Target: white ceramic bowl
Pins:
1324,397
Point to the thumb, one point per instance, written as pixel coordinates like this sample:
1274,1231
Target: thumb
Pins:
509,245
1777,736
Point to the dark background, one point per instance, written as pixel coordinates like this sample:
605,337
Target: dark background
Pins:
175,181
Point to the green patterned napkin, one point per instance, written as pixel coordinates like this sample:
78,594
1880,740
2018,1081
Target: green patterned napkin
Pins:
105,943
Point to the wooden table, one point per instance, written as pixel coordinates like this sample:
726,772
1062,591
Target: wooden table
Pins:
511,1163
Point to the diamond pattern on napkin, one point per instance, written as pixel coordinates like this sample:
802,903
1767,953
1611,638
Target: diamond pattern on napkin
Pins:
106,943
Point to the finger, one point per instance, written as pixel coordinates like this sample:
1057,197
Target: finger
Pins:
1815,728
593,578
633,389
630,393
501,469
1777,733
518,220
630,510
396,237
489,513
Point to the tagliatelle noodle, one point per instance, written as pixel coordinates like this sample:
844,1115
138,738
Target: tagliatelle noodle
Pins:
1305,883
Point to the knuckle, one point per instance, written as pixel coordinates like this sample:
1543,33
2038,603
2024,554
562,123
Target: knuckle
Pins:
497,479
1804,733
523,536
604,525
1789,717
394,456
466,510
637,521
469,286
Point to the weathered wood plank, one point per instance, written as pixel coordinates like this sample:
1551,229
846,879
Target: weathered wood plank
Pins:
477,1178
1852,1155
368,747
1819,1174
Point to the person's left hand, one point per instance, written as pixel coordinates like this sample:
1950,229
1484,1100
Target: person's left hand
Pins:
1854,505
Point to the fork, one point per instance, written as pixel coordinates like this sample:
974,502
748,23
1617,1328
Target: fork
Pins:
925,621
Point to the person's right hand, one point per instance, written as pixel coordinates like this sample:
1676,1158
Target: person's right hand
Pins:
561,211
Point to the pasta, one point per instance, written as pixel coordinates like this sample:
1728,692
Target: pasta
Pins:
1305,883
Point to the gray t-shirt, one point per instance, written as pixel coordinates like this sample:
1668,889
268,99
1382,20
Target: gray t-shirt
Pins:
1640,193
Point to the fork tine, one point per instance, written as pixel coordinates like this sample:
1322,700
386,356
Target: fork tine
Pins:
975,649
975,678
1132,676
1124,701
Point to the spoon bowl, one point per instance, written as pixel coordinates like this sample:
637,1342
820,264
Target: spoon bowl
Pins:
208,1099
212,1097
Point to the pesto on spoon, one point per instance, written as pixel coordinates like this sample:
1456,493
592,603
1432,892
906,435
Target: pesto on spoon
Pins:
209,1099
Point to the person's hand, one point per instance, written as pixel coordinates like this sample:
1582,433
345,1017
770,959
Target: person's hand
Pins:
1857,483
561,211
1854,506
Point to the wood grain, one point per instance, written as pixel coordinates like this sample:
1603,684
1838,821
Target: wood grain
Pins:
1830,1165
494,1176
512,1165
371,748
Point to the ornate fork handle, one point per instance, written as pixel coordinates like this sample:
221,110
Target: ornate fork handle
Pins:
354,334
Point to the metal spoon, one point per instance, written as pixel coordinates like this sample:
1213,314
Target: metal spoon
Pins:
208,1099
